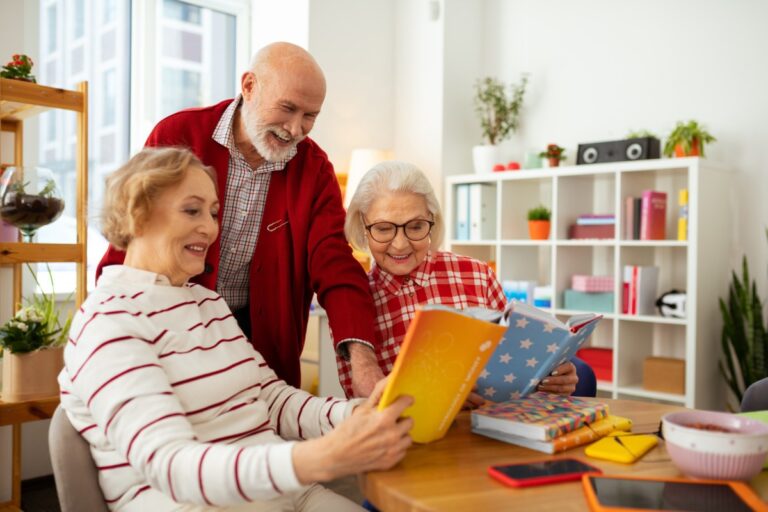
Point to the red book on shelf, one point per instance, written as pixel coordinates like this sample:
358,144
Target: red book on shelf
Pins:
594,231
653,215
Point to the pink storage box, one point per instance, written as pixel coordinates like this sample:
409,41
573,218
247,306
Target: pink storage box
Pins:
592,284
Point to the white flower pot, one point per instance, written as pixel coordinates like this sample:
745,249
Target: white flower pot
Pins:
485,157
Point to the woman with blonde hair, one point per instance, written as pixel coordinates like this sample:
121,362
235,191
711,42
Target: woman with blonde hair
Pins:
180,411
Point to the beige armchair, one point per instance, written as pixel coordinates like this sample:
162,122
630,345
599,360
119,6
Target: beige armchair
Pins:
77,482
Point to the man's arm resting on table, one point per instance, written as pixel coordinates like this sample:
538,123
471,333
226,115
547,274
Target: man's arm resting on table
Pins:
365,368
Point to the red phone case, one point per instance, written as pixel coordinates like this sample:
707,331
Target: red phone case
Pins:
542,480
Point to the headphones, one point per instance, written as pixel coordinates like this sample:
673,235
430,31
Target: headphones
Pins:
672,304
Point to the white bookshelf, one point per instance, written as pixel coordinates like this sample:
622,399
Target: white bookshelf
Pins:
700,265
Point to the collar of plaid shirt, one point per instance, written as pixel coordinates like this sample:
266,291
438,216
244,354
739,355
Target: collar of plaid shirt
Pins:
224,134
420,276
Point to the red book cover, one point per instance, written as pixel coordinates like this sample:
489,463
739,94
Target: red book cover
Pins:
653,216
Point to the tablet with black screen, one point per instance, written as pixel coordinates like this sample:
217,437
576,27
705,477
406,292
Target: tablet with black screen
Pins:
622,493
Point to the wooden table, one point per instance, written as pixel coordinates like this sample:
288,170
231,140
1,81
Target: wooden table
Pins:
15,414
451,474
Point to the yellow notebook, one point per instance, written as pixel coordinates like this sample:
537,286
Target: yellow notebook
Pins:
439,361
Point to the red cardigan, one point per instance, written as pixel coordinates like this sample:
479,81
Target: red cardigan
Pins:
308,254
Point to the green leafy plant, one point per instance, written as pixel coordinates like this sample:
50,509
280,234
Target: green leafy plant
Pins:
541,212
685,134
499,112
48,190
640,134
553,151
19,68
35,325
744,338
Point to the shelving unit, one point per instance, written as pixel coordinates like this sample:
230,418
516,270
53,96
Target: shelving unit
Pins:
18,101
700,265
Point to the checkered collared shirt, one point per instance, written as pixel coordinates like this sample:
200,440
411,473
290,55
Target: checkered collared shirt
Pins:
442,278
244,202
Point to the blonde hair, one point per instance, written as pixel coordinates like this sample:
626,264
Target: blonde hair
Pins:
132,189
383,178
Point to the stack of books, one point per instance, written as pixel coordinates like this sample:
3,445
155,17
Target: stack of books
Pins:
593,226
546,422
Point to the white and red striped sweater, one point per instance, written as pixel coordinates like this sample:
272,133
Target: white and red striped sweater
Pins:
175,402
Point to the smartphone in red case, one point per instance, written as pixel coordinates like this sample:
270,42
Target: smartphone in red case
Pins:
541,472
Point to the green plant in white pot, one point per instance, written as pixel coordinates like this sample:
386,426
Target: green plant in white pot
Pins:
498,107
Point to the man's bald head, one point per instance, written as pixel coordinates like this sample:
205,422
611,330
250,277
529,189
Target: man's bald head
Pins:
281,60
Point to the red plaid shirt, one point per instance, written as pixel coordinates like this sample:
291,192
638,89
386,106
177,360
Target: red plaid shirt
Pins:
442,278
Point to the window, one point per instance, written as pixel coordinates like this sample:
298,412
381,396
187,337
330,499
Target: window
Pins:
172,55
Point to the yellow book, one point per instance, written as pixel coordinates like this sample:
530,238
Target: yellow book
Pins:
439,361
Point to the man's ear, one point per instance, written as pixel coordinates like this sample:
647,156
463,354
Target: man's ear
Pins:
248,84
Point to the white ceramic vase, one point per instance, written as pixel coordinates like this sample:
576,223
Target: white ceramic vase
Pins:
485,157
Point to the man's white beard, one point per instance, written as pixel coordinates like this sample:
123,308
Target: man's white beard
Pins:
258,133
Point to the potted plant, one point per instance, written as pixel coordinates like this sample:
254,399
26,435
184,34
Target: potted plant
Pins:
554,154
538,222
32,344
499,113
744,337
687,139
19,68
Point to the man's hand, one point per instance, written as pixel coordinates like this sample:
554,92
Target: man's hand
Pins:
369,440
562,380
365,369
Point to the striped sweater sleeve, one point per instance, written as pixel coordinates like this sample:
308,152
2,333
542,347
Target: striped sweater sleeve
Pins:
113,368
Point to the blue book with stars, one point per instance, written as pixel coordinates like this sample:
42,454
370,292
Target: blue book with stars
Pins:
534,344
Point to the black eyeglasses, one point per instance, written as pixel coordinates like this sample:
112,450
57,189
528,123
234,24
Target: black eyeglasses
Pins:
414,230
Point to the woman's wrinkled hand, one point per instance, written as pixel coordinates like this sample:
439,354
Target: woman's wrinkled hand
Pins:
562,380
368,440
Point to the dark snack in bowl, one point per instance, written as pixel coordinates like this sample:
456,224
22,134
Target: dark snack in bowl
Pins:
710,427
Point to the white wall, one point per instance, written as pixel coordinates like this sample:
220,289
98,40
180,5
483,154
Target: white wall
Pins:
19,34
601,68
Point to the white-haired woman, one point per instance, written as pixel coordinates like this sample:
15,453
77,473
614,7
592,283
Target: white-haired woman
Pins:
395,216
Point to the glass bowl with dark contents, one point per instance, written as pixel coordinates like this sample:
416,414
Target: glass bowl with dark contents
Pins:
29,198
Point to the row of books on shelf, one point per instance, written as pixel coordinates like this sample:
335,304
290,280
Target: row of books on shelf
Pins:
639,290
645,217
475,211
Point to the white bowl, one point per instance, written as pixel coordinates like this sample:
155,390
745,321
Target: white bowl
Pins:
738,453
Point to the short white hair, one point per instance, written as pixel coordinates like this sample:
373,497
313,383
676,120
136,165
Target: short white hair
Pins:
383,178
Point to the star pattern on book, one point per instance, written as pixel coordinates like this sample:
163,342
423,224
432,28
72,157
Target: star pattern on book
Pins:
489,391
534,382
514,395
534,345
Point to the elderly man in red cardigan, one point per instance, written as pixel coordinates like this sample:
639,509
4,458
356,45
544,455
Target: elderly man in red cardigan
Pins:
282,219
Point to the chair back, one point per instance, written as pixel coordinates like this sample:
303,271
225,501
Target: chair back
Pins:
587,385
77,479
756,397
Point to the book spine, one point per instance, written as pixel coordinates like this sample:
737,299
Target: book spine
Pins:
589,433
462,212
629,218
593,231
638,204
653,215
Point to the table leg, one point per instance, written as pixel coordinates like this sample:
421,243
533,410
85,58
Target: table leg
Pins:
16,465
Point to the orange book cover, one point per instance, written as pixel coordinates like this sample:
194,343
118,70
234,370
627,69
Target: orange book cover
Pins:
440,359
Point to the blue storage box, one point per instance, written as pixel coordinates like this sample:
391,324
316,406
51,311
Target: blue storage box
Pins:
585,301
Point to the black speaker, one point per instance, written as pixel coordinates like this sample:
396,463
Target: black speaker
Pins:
641,148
